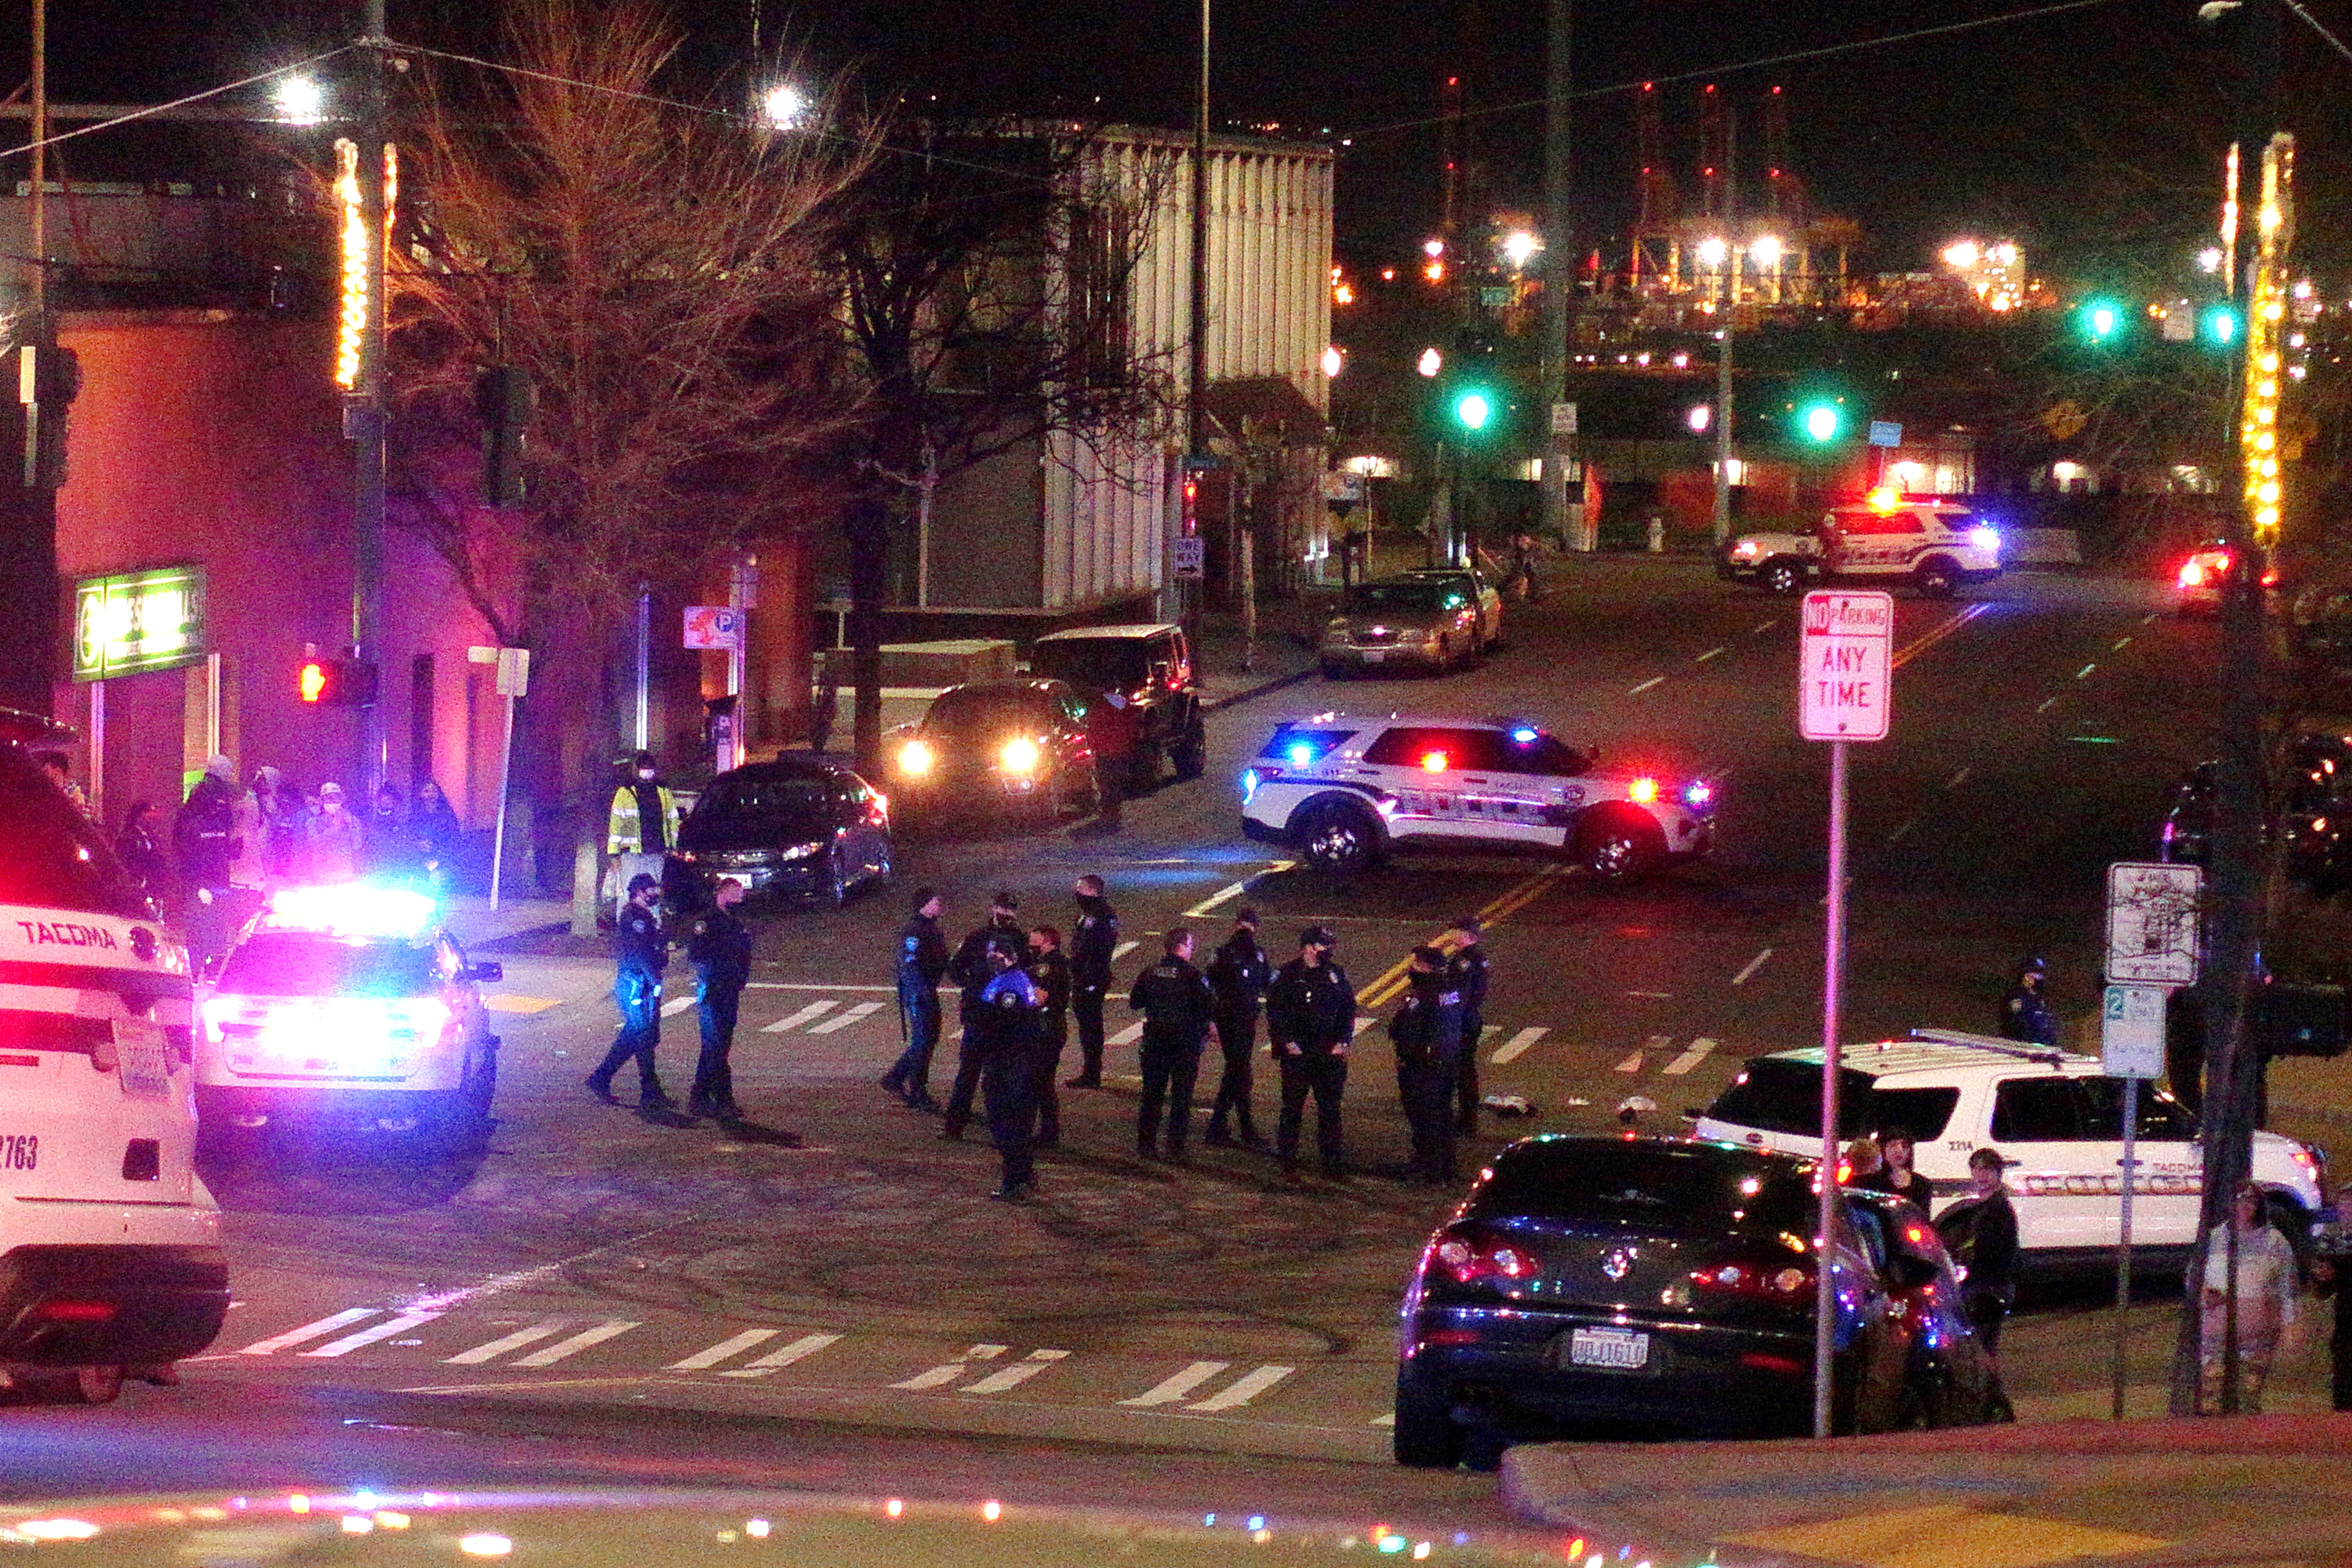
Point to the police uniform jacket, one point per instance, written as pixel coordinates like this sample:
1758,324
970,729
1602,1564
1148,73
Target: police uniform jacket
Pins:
1239,974
1176,1004
922,949
1051,974
1467,974
2025,1015
1093,941
720,950
1007,1015
1427,1028
644,952
1312,1007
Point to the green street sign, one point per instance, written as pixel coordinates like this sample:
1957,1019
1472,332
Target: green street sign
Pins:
138,621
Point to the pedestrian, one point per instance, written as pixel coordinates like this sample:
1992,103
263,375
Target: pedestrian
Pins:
643,824
970,970
139,853
1093,939
825,705
1311,1017
1239,974
285,824
720,948
1179,1017
1863,1163
2025,1012
2265,1290
386,850
1981,1233
1427,1033
1896,1173
59,768
2331,1276
1468,972
922,964
1004,1037
204,840
433,835
336,839
250,869
643,952
1049,969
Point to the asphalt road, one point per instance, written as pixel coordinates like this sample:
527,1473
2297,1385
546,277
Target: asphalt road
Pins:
837,1262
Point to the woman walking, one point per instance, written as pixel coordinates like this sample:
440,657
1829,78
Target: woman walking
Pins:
2267,1301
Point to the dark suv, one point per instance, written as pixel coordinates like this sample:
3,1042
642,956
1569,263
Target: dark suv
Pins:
1151,708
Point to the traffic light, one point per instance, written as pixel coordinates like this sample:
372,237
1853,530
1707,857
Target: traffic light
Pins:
335,682
1473,408
2217,325
1821,422
504,401
2102,320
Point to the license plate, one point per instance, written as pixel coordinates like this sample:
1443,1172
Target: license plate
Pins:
1375,655
143,1059
1619,1350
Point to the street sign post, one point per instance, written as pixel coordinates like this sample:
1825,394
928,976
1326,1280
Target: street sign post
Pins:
1189,559
2131,1047
714,627
510,677
1885,433
1845,667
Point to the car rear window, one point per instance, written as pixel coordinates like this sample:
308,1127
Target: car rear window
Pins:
1373,597
1685,1188
57,858
289,964
1413,746
1107,664
761,798
1776,1095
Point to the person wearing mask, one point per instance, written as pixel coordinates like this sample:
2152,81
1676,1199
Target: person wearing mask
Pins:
1004,1037
141,856
971,971
59,771
1049,969
720,948
642,953
1093,939
203,838
1981,1234
1311,1017
1894,1173
386,850
2331,1278
922,964
1239,974
1427,1033
643,824
1467,970
336,839
2025,1013
2265,1290
1179,1016
433,834
285,824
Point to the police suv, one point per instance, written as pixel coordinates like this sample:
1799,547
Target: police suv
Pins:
1344,790
110,1245
1933,545
2053,1115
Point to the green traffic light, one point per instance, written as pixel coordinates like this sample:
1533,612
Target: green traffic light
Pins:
1473,408
2102,320
1821,420
2219,325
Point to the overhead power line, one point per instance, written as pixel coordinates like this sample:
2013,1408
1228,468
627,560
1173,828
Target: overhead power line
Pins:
149,112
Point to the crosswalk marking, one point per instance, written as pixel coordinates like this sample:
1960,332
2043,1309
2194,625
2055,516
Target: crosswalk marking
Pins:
1176,1385
862,1009
368,1335
793,1021
1016,1374
1128,1035
513,1341
327,1325
1366,1022
1387,1420
1699,1052
1654,1043
1243,1389
948,1373
734,1344
675,1006
1517,1045
1123,949
799,1349
610,1328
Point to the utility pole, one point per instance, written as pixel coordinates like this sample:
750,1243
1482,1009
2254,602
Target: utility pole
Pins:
1196,392
28,538
1722,516
364,411
1559,270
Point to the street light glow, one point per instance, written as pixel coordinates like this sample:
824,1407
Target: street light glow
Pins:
1962,255
1700,416
1714,250
1432,362
784,106
2209,260
299,99
1519,248
1432,248
1332,361
1764,250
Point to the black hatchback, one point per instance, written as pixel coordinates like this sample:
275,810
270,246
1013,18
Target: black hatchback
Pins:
795,825
1635,1285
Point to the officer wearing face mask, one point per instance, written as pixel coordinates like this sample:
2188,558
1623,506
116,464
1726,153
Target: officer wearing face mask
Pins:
642,826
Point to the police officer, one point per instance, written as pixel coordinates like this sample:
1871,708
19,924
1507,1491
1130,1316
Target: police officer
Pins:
1004,1034
2025,1012
1310,1016
922,961
642,825
205,837
644,953
1179,1013
1049,969
1427,1033
971,970
1239,974
1467,974
720,950
1092,942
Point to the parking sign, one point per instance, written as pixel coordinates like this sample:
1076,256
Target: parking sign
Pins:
1844,659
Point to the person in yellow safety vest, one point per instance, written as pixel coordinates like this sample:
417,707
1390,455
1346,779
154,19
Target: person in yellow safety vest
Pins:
642,825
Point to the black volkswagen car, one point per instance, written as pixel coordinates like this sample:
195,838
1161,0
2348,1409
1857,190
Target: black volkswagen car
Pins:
991,747
796,826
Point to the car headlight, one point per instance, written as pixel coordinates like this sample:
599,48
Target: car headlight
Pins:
1747,550
915,758
1642,792
800,851
1019,755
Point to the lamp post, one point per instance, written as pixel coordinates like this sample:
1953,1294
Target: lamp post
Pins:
1715,251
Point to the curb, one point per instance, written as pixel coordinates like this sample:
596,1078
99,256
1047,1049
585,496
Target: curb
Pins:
1249,692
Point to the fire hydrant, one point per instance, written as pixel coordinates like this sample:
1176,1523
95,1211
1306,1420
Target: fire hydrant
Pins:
1657,534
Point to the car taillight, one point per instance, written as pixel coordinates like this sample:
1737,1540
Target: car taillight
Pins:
2191,574
1788,1283
76,1311
1470,1261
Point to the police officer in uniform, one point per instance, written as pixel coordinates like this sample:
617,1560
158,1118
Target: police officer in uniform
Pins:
1092,942
1049,969
644,953
2025,1013
922,961
720,950
1311,1017
1427,1031
1179,1014
971,970
1003,1034
1467,975
1239,974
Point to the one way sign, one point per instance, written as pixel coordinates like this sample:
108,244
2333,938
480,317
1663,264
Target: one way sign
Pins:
1845,660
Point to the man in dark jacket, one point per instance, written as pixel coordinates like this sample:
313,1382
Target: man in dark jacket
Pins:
1467,973
1179,1014
1981,1236
643,952
204,837
1310,1016
720,951
922,964
1239,974
2025,1012
1003,1035
1093,941
1049,970
1427,1031
971,970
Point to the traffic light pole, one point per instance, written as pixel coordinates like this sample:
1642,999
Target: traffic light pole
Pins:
365,412
1560,270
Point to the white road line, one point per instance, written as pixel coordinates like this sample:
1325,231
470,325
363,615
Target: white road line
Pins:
368,1336
1699,1052
1366,1022
1122,950
1016,1374
2148,619
799,1349
1233,891
948,1373
1709,653
2084,673
1243,1389
1956,780
1763,626
2047,704
1176,1385
675,1006
1654,681
733,1345
277,1342
1387,1420
2119,645
1902,832
1653,995
611,1329
1128,1035
513,1341
813,1010
1755,964
861,1010
1515,1048
1654,1043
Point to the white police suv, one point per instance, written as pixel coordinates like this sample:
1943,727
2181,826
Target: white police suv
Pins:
1344,790
109,1244
1933,545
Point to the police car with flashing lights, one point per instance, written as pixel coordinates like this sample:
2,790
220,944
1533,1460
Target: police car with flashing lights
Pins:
111,1260
2056,1118
1343,790
1933,545
342,1008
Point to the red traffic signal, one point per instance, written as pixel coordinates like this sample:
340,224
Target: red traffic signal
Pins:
311,683
335,682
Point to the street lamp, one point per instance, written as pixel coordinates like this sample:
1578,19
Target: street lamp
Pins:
1962,255
1700,416
300,99
1333,361
1431,363
1764,250
784,106
1519,248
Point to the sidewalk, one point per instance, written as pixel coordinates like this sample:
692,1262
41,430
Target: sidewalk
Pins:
2268,1489
474,923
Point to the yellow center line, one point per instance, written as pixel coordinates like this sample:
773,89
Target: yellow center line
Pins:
1392,983
1937,634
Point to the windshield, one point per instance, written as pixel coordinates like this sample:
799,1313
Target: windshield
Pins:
984,710
295,964
56,859
1689,1189
1107,664
769,797
1416,597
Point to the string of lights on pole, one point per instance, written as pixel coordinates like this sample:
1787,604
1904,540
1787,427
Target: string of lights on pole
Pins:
2258,432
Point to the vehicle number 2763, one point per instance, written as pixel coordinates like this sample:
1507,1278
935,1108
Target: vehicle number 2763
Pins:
20,1150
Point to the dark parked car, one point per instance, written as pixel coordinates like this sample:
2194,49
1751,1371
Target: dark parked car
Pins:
795,825
1143,707
991,745
1637,1284
2312,815
1948,1381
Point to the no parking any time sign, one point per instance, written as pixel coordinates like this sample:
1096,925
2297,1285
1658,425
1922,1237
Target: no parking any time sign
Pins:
1845,657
